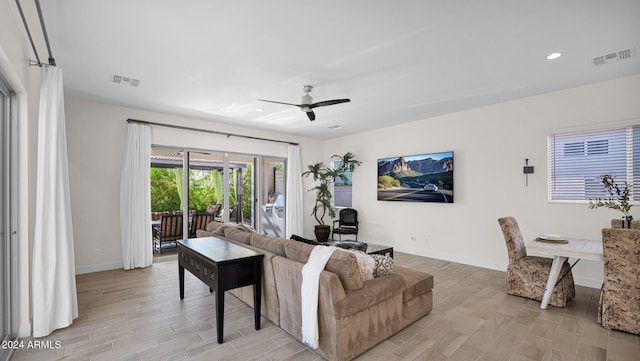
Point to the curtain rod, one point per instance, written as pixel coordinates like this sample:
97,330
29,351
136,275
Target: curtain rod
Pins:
134,121
52,61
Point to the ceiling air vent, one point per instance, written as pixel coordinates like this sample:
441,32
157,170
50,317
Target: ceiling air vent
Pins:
618,55
121,79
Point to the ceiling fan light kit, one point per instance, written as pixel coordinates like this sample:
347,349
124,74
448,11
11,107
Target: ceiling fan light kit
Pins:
306,103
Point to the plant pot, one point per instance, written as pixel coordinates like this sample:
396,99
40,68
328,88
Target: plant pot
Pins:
322,232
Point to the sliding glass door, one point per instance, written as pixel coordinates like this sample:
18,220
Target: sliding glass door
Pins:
272,196
8,217
3,224
226,185
242,189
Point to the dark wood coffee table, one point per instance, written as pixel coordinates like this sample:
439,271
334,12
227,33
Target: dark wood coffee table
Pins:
373,248
222,266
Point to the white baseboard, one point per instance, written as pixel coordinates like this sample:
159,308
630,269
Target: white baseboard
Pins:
445,257
586,282
98,268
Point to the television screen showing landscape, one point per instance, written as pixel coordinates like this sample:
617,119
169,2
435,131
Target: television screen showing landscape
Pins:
416,178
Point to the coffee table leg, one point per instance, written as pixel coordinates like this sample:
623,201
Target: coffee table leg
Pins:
181,278
257,294
220,314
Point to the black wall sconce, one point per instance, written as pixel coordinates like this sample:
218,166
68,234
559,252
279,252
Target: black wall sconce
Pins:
527,169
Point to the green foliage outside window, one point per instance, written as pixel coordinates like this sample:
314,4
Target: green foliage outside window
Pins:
164,192
202,190
247,178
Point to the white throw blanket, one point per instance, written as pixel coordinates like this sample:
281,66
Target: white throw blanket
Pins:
309,292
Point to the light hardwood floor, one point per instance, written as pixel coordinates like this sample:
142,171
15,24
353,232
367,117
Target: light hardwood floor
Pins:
138,315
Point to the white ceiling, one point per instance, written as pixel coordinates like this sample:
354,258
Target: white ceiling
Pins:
398,61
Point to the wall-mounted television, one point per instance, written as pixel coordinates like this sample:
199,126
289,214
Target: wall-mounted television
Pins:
416,178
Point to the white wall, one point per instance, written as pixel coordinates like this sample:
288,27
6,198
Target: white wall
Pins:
490,145
96,138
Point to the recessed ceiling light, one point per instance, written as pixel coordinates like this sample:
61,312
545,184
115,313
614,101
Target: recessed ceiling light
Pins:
554,56
334,127
259,110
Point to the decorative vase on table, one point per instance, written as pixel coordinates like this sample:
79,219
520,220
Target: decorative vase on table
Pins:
322,232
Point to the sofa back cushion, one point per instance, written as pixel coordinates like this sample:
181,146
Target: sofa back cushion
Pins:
237,234
271,244
343,264
217,228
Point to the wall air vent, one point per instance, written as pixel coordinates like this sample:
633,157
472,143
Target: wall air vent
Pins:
120,79
618,55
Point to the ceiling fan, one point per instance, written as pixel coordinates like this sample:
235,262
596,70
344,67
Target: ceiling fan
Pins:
307,105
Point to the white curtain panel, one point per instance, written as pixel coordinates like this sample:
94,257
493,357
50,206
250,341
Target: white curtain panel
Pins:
135,199
55,303
293,207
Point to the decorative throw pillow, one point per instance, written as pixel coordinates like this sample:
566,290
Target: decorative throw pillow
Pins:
246,228
358,246
383,265
295,237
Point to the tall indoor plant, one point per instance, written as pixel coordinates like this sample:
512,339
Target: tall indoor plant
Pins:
325,176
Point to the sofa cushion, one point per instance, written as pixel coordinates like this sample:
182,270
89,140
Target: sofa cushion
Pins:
237,234
366,263
271,244
417,282
217,228
372,294
344,264
202,233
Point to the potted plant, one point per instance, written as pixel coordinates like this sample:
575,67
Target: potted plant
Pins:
326,176
618,198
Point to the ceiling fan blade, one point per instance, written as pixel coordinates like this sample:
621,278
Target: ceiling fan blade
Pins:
273,101
311,115
329,102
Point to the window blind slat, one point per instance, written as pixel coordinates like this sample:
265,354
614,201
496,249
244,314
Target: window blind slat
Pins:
577,161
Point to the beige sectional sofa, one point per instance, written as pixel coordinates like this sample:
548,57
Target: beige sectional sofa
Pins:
353,315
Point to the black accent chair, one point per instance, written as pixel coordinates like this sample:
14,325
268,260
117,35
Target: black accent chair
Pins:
347,223
199,220
168,233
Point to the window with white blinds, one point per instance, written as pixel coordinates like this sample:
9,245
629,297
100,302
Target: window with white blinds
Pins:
578,159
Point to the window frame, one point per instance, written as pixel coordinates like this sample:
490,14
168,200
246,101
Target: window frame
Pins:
593,148
334,164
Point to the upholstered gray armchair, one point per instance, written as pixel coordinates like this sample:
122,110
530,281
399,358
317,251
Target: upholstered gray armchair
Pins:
619,306
527,275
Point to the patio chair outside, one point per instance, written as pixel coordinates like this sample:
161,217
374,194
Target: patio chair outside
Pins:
168,233
199,221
